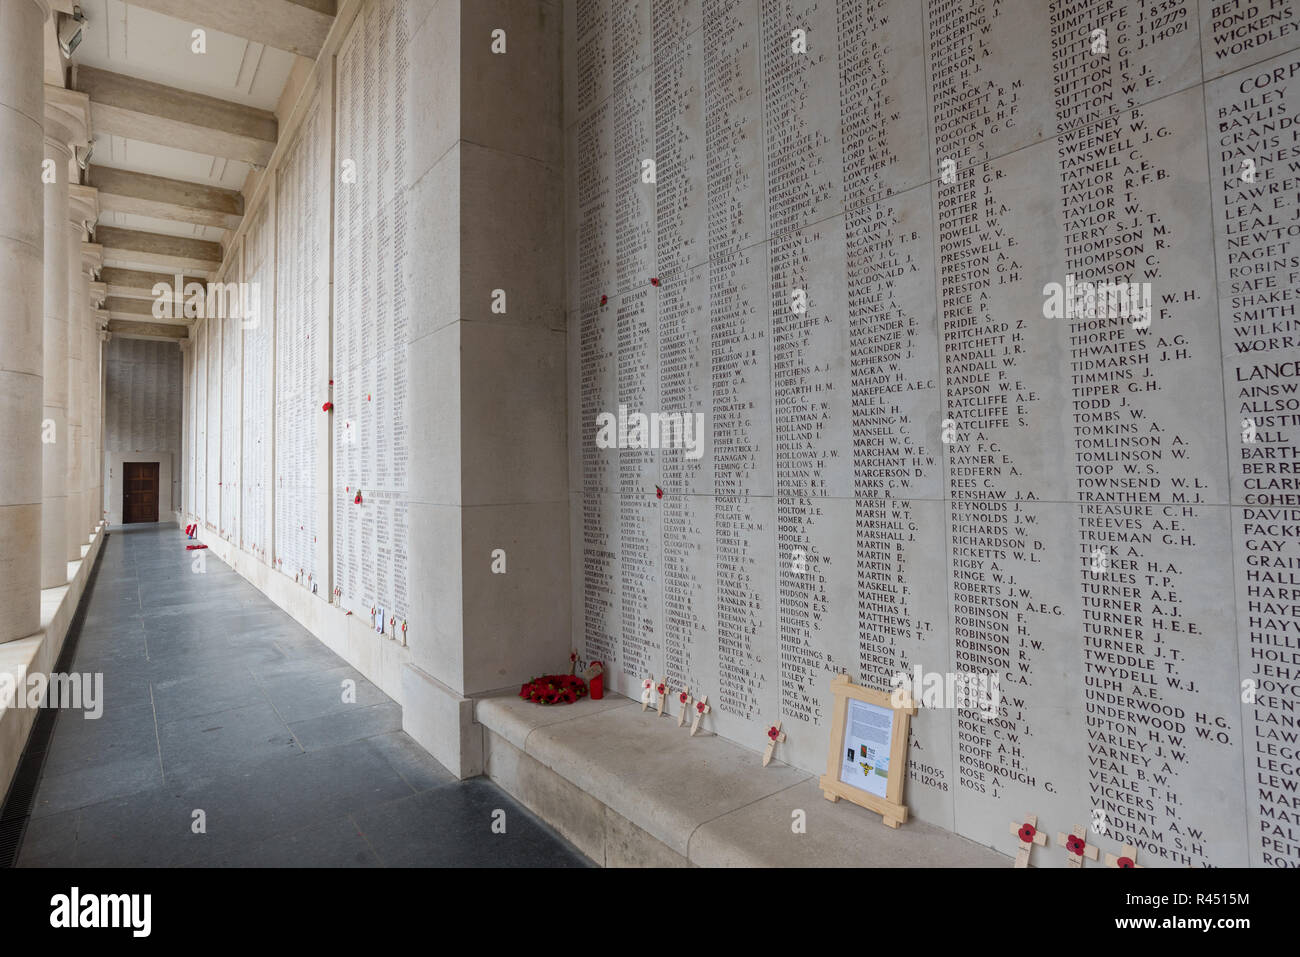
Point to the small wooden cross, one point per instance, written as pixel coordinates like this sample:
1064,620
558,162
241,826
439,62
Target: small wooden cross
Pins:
774,737
1029,835
685,698
701,709
1077,846
661,690
573,661
1127,858
647,689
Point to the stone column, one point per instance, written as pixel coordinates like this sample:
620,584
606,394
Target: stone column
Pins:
101,337
489,469
67,116
92,430
76,387
54,427
85,204
22,252
84,211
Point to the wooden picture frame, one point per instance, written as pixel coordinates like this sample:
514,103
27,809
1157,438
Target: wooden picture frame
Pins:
865,703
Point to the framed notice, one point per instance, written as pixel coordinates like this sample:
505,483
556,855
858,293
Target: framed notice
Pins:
867,761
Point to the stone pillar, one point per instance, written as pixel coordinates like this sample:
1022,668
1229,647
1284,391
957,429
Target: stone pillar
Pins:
22,252
76,387
84,210
67,115
489,469
54,428
92,429
100,338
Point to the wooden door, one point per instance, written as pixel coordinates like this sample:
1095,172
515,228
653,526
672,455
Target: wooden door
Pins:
139,492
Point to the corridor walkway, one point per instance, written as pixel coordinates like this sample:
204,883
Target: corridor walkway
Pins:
216,701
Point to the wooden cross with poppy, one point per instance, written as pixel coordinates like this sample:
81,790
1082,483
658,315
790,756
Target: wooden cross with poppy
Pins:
684,696
701,709
661,689
774,737
573,661
1127,858
1029,835
1077,846
647,689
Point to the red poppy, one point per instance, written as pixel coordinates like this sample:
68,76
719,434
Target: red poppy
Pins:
654,280
1027,832
662,689
327,407
682,697
604,300
357,500
554,689
1125,862
1075,844
773,733
659,493
699,706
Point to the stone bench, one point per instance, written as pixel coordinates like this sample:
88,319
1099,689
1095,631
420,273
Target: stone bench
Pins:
631,789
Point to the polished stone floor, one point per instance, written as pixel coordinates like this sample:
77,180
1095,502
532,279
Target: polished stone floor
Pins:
217,701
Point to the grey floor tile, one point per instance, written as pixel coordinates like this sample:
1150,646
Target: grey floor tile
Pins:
50,841
360,721
412,762
337,843
298,697
453,827
223,741
119,734
90,785
152,828
206,693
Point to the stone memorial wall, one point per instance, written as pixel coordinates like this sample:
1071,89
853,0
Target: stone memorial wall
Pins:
232,396
143,412
301,277
858,238
297,400
370,322
254,466
212,333
197,443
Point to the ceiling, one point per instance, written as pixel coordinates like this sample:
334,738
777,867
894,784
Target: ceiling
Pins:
154,110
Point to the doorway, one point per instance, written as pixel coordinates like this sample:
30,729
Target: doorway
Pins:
139,492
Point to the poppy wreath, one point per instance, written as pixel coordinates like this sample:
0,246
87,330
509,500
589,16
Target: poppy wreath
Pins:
554,689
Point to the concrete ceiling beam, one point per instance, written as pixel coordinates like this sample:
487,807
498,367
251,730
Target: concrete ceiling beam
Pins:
163,332
153,113
174,253
299,26
136,284
157,197
138,310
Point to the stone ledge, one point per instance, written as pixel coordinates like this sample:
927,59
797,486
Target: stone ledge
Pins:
39,653
632,789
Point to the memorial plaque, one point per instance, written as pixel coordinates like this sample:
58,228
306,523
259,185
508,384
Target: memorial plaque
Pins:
258,338
1251,121
212,513
302,317
144,394
958,287
232,393
371,315
199,377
